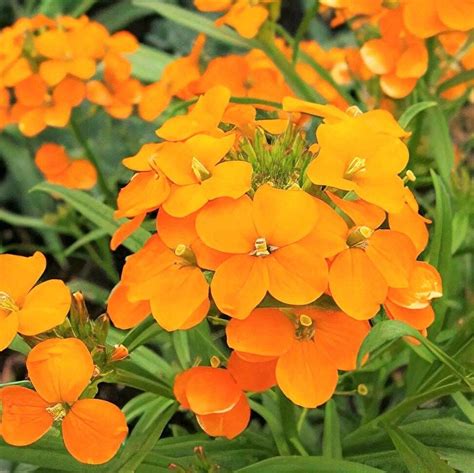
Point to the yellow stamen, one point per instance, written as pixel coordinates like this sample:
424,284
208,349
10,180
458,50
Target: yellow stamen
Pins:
58,411
409,176
154,165
306,320
186,253
200,170
362,389
359,236
215,361
354,111
7,303
356,166
261,248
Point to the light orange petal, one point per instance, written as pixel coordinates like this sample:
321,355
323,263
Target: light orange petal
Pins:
356,284
212,391
24,416
330,113
239,284
393,254
417,318
60,369
229,424
413,62
227,225
306,375
256,377
125,230
360,212
174,231
8,328
456,14
141,161
53,71
296,274
18,274
45,307
421,18
339,335
184,200
397,87
379,56
124,313
282,216
93,431
179,293
265,332
229,179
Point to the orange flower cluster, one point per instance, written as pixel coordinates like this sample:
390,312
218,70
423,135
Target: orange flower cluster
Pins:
57,167
400,55
258,224
60,370
45,66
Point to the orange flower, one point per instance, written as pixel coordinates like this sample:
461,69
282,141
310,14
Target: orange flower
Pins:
170,280
204,117
4,107
246,16
60,370
412,304
58,168
369,166
399,58
309,346
123,313
220,406
425,18
25,308
266,239
256,376
176,79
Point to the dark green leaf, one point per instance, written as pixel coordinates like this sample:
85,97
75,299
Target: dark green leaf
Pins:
332,433
417,457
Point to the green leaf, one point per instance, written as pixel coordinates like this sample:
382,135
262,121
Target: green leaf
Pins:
332,433
197,22
97,212
148,63
120,14
411,112
142,441
441,240
464,76
307,464
93,235
390,330
417,457
460,228
464,405
141,334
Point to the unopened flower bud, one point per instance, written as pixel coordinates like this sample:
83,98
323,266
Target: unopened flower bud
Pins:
120,352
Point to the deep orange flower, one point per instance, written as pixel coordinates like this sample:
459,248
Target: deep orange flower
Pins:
309,346
58,168
213,394
24,307
60,370
413,303
256,376
425,18
170,280
398,57
266,239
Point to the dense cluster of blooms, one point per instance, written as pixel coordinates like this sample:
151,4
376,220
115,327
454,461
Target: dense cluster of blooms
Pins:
46,67
289,222
260,225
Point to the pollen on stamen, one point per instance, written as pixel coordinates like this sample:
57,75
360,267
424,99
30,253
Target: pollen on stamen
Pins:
356,166
261,248
215,361
186,253
354,111
305,320
7,303
58,411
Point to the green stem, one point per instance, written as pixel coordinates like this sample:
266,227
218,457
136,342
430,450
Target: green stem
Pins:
91,156
297,84
303,27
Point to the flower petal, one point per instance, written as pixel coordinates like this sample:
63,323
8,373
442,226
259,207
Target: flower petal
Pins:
266,332
229,179
306,375
60,369
256,377
24,416
45,307
93,431
124,313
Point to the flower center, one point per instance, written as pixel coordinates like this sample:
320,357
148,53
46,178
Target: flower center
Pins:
58,411
7,303
199,170
358,237
354,111
356,166
186,254
305,327
262,248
